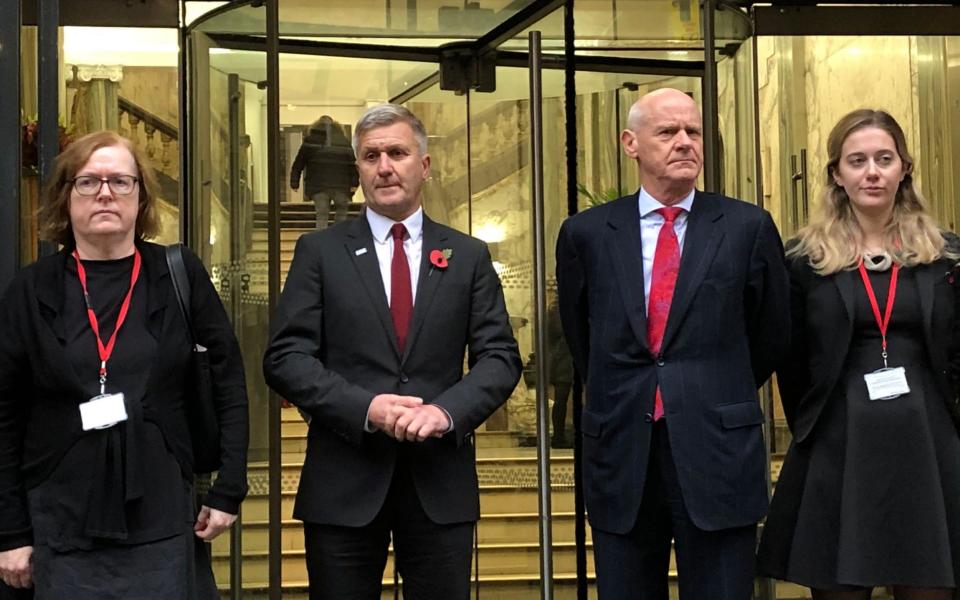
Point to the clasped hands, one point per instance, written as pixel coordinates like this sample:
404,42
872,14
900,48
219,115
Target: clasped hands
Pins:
407,418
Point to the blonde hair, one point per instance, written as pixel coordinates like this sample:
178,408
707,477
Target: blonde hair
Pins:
54,213
831,241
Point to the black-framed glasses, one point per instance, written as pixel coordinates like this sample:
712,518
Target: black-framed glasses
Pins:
89,185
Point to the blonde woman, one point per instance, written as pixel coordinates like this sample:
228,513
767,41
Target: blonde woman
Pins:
869,494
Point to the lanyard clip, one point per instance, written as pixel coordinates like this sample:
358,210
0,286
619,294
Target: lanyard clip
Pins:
103,377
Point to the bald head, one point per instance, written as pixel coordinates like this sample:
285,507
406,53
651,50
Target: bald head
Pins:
655,100
664,136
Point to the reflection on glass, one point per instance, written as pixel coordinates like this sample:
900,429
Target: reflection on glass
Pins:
427,22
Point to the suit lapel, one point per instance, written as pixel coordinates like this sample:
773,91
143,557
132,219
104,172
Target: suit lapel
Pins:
154,277
50,293
926,278
428,281
624,247
700,244
364,257
845,281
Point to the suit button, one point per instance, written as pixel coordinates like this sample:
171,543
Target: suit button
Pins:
404,378
660,362
648,418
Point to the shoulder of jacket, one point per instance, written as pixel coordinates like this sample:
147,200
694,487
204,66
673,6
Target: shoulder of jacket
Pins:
599,213
743,207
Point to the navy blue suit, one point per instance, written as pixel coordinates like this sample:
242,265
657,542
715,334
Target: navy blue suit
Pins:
727,327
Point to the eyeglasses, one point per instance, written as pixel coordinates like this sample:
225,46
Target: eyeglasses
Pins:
88,185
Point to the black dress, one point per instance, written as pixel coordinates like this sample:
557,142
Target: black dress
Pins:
128,533
872,497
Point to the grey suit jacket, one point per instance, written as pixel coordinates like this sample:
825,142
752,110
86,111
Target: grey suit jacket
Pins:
333,348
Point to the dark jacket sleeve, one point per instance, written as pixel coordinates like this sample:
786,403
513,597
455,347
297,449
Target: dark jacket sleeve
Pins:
213,330
15,529
298,164
572,295
292,365
793,373
953,352
492,355
766,302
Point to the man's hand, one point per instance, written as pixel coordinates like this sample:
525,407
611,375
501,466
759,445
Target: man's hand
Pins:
212,522
386,408
418,424
15,567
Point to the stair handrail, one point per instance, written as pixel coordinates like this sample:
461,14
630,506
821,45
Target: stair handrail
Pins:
148,118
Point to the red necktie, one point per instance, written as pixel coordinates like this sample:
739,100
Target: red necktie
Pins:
401,296
666,264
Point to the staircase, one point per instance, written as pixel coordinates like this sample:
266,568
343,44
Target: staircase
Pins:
508,529
296,219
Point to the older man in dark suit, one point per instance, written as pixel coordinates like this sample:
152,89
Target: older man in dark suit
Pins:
674,303
369,340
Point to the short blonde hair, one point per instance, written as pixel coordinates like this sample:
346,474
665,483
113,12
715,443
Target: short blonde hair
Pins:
54,213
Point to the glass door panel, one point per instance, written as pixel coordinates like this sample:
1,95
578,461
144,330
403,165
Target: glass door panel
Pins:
229,234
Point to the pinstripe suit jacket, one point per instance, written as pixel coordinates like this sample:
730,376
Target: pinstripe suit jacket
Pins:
728,326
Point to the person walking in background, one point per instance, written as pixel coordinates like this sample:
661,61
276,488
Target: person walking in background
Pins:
327,164
561,375
369,339
869,493
96,462
674,304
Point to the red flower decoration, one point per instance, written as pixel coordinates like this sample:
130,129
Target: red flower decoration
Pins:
29,159
438,258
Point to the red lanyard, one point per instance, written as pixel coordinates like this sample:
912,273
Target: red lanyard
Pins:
891,294
107,350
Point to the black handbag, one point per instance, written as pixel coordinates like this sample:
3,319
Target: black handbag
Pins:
200,410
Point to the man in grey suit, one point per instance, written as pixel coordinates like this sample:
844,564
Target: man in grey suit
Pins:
369,340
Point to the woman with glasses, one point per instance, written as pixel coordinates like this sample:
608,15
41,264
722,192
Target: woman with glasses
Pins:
96,470
869,493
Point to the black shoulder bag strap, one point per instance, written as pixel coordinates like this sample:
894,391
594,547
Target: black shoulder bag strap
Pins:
201,413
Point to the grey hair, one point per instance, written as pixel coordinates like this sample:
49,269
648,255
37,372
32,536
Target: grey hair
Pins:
383,115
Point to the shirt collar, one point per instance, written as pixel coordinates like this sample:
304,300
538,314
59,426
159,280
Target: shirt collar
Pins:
648,203
380,225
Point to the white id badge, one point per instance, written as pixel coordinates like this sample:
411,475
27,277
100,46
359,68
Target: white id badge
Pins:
887,384
100,412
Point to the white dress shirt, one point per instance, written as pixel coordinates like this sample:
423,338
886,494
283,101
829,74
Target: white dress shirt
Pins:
650,224
383,244
413,247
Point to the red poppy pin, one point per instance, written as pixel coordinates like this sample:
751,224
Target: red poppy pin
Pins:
439,259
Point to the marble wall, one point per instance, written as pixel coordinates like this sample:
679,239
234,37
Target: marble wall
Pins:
806,84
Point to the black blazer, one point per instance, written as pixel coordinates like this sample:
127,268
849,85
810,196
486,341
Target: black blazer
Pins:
334,348
39,397
726,330
822,326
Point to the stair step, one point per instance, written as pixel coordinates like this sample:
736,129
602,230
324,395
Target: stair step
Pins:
494,560
491,529
522,588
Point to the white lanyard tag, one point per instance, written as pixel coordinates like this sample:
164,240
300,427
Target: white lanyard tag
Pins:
887,384
103,411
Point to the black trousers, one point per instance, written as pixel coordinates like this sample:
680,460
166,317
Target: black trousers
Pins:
347,563
711,565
